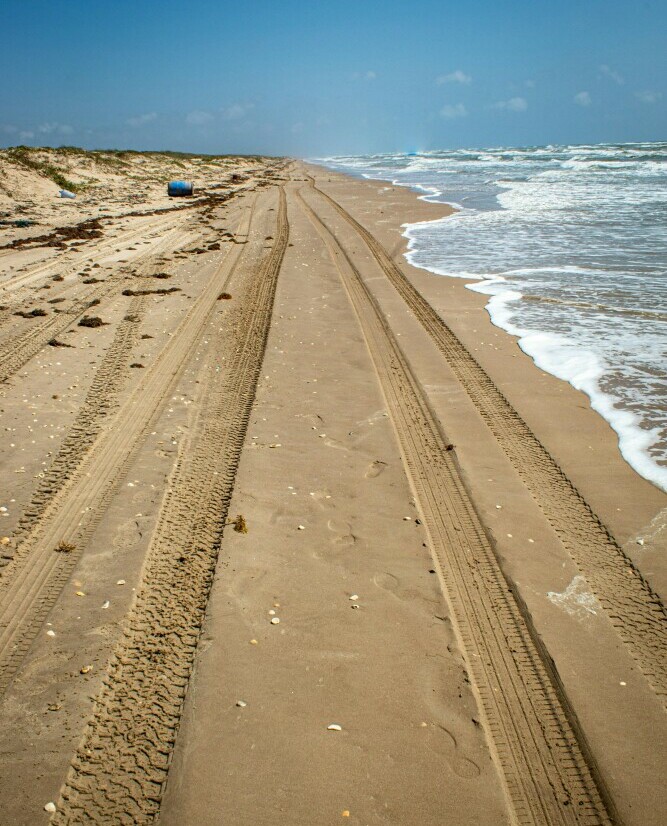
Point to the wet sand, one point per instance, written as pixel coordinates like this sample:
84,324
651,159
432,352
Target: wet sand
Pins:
449,544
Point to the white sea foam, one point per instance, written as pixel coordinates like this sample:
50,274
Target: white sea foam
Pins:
570,245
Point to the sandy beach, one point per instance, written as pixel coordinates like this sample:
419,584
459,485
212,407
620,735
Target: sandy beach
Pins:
291,533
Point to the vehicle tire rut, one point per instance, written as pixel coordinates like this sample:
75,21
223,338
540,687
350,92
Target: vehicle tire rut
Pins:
33,579
634,609
120,769
547,771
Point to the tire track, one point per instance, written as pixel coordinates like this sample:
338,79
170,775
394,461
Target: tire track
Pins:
16,351
120,769
100,402
633,608
548,774
101,250
36,575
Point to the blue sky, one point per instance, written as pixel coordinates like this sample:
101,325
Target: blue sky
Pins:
315,78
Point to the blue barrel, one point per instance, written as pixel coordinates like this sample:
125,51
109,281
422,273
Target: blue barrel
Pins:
180,188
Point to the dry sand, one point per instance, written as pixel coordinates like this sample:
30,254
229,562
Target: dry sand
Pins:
446,535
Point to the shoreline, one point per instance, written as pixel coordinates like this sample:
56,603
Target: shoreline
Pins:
567,361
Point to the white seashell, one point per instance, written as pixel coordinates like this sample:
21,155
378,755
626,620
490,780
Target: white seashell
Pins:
354,597
241,703
275,621
334,727
50,807
50,633
301,528
121,582
272,613
106,604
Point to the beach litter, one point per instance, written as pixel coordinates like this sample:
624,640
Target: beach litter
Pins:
65,193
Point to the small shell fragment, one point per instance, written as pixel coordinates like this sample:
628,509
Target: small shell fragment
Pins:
301,528
50,633
80,594
86,669
241,703
253,642
120,582
274,620
334,727
354,597
50,807
106,604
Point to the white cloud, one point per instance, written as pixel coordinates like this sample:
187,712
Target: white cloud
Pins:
27,135
59,128
369,75
198,118
648,96
612,74
452,111
582,99
141,120
512,105
457,76
237,111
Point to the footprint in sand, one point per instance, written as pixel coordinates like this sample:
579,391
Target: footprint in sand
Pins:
244,585
387,581
322,497
375,469
127,535
441,741
343,530
440,737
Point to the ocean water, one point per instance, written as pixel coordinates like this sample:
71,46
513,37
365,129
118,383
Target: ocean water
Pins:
570,245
